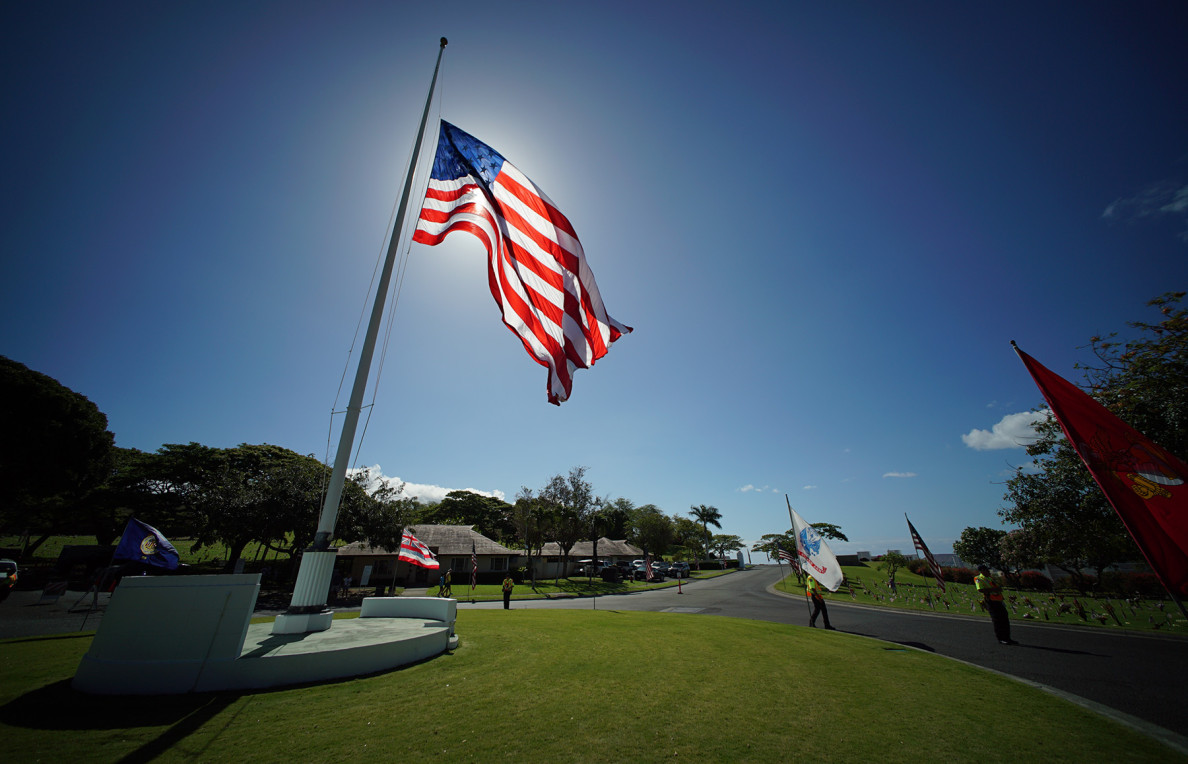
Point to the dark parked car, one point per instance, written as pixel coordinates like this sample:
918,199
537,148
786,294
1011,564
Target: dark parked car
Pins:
8,577
678,570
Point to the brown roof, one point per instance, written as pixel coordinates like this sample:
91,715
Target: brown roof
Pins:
606,548
448,540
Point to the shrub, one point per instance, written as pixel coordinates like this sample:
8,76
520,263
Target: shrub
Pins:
918,566
959,575
1128,584
1033,581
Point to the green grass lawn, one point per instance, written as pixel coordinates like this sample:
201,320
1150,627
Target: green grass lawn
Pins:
868,586
569,686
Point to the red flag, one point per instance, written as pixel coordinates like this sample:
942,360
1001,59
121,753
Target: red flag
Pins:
416,553
923,549
536,267
1144,483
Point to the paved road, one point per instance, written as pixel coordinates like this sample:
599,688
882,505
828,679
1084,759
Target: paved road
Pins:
1141,675
1138,674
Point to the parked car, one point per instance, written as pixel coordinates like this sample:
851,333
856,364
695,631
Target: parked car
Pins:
660,566
678,570
8,577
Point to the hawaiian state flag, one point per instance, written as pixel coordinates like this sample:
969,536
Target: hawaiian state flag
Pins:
922,548
416,553
536,267
145,544
1144,483
816,559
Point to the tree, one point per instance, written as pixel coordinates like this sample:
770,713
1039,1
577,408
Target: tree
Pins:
770,543
489,515
830,531
980,546
707,516
572,499
687,537
651,530
723,543
1144,380
533,520
55,449
1068,522
891,562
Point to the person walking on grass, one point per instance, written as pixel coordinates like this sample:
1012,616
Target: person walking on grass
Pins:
813,589
508,584
992,598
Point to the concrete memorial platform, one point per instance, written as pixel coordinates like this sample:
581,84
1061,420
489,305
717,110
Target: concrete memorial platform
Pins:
176,634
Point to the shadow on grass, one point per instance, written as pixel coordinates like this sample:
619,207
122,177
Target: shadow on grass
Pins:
58,706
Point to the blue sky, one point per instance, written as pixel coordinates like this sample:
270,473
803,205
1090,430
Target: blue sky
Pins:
826,222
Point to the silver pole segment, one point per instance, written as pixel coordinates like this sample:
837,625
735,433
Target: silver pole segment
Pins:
310,592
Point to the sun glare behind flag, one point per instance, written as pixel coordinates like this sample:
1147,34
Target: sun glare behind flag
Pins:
536,268
145,544
1144,483
416,553
922,548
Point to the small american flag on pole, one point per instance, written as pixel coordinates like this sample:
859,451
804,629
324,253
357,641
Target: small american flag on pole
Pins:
416,553
536,267
473,567
923,549
784,554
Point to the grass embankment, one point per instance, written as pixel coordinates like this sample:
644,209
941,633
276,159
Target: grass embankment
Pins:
868,586
532,685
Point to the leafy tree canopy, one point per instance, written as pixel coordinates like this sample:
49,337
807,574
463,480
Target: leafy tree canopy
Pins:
55,449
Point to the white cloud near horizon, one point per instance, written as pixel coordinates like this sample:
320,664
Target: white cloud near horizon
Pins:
423,493
749,488
899,474
1012,431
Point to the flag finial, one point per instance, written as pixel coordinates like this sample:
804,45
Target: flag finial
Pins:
444,42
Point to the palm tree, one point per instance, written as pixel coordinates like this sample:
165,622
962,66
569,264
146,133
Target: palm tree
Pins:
707,516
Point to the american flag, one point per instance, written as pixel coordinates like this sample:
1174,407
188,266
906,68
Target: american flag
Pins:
923,549
473,567
536,267
416,553
784,554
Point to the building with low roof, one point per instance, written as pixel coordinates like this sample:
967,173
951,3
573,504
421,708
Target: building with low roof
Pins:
450,544
550,563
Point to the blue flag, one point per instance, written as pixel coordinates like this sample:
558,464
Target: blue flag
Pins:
143,543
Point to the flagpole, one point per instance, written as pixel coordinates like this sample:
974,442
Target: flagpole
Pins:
307,609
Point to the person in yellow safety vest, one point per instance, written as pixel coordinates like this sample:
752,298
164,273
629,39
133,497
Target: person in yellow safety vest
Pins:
992,597
508,583
813,589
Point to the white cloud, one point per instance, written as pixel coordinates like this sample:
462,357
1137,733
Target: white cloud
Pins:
899,474
1159,199
423,493
810,487
749,488
1012,431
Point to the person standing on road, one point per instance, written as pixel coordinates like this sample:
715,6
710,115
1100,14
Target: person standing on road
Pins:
813,589
992,598
508,583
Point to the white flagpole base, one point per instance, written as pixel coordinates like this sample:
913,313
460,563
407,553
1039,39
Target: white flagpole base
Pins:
307,609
